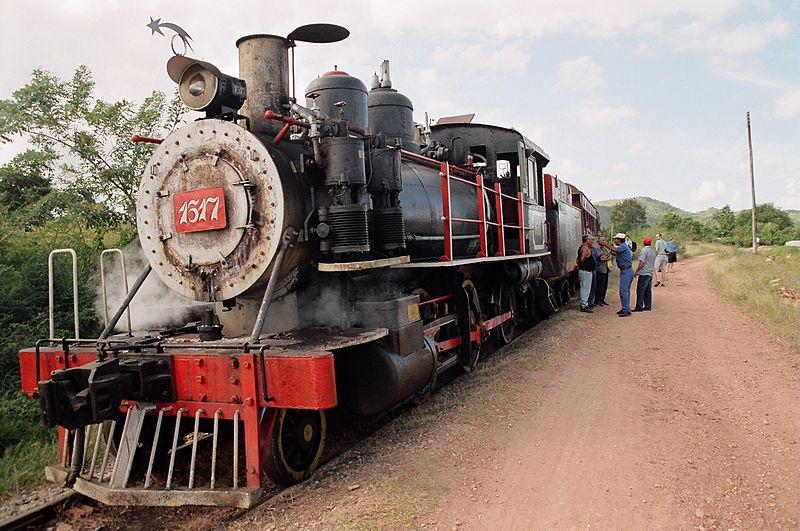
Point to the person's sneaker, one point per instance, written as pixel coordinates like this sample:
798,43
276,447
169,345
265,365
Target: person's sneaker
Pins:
638,310
657,284
624,314
620,312
586,310
604,303
648,309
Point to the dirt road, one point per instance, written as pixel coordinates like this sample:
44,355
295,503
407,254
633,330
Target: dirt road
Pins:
684,417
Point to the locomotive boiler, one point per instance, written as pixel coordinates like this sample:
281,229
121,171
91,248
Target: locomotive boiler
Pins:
347,255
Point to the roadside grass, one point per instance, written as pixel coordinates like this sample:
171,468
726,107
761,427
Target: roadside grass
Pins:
26,445
22,465
762,288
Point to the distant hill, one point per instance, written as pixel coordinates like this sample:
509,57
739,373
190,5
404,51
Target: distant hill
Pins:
654,208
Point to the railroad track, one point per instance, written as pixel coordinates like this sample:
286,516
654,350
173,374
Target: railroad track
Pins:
37,517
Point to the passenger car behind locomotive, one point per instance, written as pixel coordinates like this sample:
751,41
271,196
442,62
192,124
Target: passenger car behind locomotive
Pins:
348,257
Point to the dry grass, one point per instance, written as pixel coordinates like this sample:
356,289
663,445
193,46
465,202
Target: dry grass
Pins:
23,465
753,283
692,249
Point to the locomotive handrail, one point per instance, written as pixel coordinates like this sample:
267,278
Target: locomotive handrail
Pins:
482,221
50,297
410,155
139,138
103,285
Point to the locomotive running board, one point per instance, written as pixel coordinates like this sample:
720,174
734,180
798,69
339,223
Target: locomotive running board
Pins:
243,498
466,261
360,266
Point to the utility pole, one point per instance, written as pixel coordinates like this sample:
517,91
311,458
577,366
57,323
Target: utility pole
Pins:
752,186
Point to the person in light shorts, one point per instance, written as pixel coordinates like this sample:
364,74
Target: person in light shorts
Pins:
661,262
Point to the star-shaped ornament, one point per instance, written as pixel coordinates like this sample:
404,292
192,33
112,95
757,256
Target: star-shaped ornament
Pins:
154,26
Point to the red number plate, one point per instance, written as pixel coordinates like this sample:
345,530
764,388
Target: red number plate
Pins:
199,210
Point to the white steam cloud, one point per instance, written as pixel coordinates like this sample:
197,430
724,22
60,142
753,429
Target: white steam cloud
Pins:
155,306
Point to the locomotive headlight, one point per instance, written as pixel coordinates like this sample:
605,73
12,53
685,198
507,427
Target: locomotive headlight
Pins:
197,85
202,87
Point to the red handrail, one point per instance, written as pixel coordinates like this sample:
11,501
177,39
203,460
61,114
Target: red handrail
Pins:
446,172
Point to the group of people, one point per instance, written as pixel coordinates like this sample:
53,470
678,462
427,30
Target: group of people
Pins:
592,263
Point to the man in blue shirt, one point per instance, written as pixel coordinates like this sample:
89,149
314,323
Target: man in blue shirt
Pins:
672,255
624,258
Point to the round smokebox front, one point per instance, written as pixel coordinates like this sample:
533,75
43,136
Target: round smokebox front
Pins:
210,210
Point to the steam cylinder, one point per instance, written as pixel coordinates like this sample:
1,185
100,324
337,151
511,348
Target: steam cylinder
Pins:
337,86
264,66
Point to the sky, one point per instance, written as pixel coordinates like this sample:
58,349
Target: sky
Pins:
628,97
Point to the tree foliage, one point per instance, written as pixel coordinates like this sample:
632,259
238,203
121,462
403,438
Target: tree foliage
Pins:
723,222
775,227
79,144
627,215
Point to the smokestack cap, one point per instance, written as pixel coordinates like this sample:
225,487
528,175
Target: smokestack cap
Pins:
319,33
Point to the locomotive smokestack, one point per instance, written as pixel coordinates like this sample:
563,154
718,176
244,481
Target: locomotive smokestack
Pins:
264,65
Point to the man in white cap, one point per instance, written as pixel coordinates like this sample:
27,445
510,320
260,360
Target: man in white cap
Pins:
624,258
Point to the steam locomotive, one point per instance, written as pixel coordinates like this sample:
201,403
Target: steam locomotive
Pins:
348,257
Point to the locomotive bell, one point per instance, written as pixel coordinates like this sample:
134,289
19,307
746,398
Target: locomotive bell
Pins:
202,87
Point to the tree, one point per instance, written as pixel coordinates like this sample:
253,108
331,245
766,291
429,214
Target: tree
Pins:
774,226
82,144
627,215
724,222
670,220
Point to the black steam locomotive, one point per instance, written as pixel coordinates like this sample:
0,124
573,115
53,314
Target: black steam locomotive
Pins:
349,256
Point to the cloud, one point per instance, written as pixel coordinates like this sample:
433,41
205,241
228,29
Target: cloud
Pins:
791,193
612,183
709,192
510,57
711,37
596,114
636,147
788,105
581,74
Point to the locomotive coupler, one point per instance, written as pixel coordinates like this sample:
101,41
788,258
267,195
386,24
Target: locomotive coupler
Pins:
80,396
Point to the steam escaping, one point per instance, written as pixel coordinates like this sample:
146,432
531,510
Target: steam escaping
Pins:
155,306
